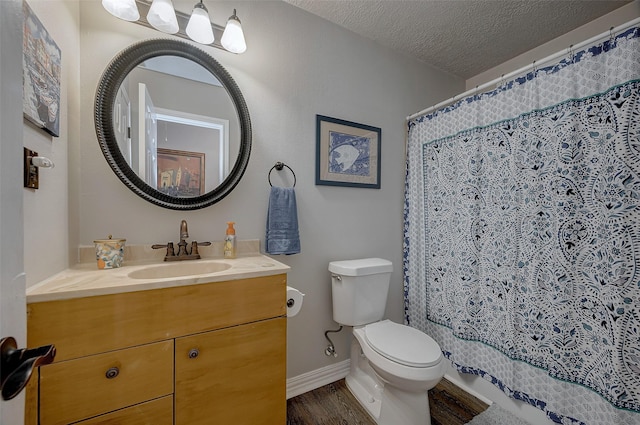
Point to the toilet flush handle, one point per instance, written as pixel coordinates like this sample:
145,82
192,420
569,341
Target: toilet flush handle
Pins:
336,277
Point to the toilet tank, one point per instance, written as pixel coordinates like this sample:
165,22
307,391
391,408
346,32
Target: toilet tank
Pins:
359,290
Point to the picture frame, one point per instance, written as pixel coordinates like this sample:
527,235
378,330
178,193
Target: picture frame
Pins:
181,173
41,61
347,153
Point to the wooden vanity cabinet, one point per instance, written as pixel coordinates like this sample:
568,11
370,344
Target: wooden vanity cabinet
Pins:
211,353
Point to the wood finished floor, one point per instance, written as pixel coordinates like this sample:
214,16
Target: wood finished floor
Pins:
334,404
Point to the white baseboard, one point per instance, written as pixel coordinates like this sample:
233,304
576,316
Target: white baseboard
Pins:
317,378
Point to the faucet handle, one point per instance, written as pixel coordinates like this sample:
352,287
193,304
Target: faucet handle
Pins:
169,246
194,246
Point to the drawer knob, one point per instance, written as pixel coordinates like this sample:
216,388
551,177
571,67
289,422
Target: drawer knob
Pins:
193,353
112,372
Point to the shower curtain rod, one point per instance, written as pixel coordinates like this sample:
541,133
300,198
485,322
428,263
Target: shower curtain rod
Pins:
505,77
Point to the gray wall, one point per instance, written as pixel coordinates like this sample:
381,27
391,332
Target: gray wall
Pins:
49,242
296,66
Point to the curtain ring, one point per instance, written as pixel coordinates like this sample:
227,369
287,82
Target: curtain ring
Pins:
612,37
571,56
279,166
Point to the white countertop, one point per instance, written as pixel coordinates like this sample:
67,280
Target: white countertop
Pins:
86,279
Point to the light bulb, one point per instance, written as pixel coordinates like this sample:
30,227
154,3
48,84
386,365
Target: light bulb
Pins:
123,9
233,36
162,16
199,26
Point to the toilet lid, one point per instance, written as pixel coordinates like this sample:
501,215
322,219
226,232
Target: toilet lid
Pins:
402,344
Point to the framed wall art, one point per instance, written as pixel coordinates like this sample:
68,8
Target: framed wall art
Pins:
347,153
180,173
41,69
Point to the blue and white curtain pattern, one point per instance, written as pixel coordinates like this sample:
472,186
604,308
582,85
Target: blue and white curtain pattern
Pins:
522,234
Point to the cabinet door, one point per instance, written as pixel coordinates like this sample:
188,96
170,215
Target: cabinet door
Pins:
234,376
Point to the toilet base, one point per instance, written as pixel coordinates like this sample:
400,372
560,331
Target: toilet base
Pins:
386,404
368,394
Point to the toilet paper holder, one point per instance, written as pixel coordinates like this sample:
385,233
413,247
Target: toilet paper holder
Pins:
294,301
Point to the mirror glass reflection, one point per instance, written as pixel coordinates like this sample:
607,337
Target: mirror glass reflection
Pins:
176,126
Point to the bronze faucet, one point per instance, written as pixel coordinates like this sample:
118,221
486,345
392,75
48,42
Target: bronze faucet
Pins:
185,252
184,232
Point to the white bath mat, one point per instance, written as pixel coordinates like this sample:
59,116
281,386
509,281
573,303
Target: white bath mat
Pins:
495,415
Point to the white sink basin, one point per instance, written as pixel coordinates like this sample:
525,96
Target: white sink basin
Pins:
179,269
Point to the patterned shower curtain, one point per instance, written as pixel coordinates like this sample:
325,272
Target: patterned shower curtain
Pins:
522,234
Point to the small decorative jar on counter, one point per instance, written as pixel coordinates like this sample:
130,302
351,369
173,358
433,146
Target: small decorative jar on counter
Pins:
109,252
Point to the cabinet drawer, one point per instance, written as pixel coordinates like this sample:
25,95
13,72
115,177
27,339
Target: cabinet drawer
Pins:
78,389
154,412
91,325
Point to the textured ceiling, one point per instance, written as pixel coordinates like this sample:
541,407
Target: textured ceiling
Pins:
463,37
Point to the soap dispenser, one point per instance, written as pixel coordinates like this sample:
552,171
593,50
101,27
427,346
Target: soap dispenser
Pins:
230,241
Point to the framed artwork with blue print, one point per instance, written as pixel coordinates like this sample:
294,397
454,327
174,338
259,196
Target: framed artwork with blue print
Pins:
347,153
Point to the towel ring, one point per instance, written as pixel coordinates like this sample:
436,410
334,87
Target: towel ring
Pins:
279,166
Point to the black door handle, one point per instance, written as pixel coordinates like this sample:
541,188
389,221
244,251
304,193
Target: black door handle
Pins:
17,365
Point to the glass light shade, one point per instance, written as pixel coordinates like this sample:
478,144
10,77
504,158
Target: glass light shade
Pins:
162,16
233,36
199,26
123,9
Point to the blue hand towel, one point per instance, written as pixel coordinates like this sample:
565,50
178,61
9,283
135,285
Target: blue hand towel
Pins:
282,222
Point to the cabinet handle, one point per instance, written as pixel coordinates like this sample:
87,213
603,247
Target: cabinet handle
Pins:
193,353
112,373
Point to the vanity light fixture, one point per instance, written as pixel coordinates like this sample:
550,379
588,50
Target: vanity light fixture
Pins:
199,26
123,9
161,15
233,36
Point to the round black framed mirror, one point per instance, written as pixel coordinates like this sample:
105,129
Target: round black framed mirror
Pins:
194,169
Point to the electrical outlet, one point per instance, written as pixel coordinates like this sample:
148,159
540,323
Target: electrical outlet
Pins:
30,171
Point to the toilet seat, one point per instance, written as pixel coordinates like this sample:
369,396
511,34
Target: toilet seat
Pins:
402,344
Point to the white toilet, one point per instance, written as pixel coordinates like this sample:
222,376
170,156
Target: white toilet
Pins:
392,365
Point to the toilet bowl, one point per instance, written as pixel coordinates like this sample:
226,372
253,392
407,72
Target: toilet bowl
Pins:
393,366
402,356
394,386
